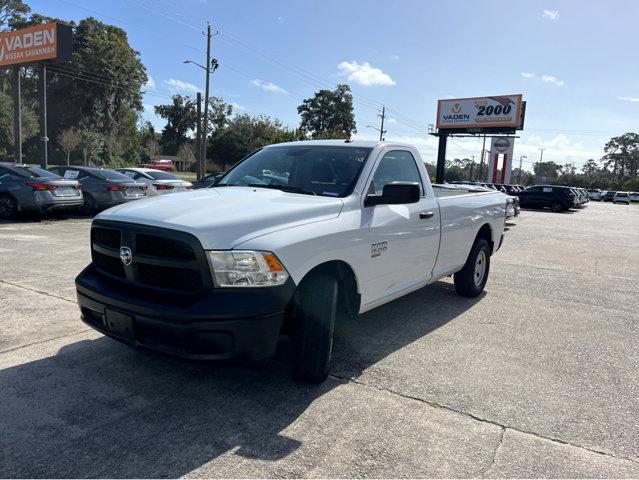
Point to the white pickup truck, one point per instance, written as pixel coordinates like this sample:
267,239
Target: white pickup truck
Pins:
289,237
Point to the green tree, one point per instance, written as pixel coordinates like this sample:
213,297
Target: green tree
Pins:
590,168
245,134
29,126
622,155
181,117
546,171
12,11
93,144
328,112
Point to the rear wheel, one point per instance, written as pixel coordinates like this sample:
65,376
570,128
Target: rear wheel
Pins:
88,207
556,207
8,207
471,280
314,317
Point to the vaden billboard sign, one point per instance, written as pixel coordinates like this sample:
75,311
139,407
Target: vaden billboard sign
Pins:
480,113
51,41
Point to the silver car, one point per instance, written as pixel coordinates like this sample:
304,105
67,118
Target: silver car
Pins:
158,181
26,188
103,188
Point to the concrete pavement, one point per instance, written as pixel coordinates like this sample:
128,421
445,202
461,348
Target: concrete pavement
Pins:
536,378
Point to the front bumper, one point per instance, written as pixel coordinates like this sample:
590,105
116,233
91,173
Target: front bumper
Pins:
224,324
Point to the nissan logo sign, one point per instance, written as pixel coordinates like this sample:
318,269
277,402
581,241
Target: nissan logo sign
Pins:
501,144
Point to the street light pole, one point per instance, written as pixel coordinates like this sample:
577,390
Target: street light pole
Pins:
381,130
541,158
521,161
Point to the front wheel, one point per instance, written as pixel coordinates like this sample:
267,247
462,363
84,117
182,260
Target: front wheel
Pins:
471,280
556,207
8,207
314,317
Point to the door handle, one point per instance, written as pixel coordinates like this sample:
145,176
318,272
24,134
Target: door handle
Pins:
425,215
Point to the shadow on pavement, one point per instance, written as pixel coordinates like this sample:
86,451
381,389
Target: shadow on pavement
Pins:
102,409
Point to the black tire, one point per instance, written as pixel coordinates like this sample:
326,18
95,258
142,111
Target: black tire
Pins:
556,207
88,207
467,283
8,207
314,317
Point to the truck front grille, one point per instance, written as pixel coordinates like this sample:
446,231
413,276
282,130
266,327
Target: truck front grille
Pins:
162,259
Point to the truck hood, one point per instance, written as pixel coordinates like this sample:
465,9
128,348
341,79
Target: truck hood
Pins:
224,217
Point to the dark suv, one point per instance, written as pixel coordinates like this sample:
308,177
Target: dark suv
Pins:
555,197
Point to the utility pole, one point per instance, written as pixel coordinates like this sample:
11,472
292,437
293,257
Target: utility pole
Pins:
205,123
17,113
381,129
198,139
541,158
521,161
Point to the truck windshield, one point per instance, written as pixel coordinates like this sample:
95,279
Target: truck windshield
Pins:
318,170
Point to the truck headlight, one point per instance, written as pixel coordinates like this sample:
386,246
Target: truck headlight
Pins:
242,268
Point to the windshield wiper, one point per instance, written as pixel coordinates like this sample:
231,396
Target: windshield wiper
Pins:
284,188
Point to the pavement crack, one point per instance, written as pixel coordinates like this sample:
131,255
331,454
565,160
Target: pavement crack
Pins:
38,291
485,420
494,457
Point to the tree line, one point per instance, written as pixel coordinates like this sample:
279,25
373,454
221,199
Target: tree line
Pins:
95,116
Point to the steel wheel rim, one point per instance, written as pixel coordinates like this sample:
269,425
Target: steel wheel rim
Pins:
480,268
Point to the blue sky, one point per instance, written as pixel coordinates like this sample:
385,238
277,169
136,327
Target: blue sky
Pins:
574,61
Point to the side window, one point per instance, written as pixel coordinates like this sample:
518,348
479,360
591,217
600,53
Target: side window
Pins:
395,166
3,172
130,173
533,189
547,190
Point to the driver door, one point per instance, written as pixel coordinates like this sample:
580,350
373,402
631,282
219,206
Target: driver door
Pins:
404,239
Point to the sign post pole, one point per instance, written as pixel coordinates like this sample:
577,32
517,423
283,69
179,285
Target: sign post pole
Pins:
42,87
441,157
17,113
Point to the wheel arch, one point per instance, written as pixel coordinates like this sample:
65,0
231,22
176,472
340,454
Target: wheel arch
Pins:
349,287
485,232
12,197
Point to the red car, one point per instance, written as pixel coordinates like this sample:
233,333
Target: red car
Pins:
159,164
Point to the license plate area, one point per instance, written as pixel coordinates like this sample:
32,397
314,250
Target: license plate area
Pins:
134,192
66,192
120,324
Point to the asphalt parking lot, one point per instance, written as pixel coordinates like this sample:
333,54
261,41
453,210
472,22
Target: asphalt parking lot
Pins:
536,378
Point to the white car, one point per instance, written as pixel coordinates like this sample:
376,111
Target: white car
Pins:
622,197
594,194
159,181
344,226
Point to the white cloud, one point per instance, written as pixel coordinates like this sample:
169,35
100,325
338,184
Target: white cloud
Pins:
551,15
280,19
527,75
180,86
392,120
237,106
553,80
629,99
365,74
269,86
150,83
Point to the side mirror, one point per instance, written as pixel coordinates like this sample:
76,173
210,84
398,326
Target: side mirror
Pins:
395,193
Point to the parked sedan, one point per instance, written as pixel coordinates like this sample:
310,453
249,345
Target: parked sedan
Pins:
158,181
594,194
103,188
208,180
609,196
634,196
621,197
25,188
556,197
